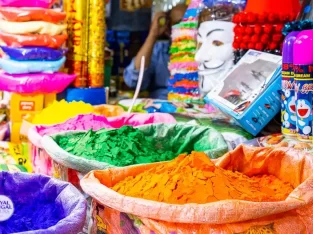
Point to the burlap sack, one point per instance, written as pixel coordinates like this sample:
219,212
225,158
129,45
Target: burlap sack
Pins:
293,215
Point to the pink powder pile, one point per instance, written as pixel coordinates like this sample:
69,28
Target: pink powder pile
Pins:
95,122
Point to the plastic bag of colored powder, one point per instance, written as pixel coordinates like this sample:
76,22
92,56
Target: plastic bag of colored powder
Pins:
35,83
41,205
126,146
33,40
27,3
290,216
33,53
25,67
32,27
14,14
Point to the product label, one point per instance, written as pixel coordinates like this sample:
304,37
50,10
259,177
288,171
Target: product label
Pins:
6,208
304,99
27,105
288,101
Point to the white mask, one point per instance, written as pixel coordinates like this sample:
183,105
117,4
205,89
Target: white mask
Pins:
215,53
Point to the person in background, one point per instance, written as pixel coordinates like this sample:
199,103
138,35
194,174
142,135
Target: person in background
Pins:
156,54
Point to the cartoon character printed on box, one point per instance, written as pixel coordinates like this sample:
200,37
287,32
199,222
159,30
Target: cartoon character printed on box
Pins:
289,111
304,118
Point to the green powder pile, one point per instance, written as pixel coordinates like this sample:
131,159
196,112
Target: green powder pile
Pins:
119,147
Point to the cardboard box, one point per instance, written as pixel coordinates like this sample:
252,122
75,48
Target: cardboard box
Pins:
250,93
16,136
21,105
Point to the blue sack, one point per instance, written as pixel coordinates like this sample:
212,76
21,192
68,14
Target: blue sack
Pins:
40,205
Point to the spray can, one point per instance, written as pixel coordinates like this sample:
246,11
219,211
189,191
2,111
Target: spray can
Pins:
303,71
288,102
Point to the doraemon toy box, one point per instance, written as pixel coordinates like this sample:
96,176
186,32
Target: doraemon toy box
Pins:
250,92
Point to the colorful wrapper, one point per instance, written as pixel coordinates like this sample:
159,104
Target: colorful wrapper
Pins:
183,90
181,77
77,18
96,41
183,97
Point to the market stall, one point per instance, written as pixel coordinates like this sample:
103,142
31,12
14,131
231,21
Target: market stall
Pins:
229,150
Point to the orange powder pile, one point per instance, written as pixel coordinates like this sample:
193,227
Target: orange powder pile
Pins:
195,179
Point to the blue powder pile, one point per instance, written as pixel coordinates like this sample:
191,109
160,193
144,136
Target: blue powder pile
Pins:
31,216
34,199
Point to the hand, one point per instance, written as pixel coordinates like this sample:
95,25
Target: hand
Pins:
156,29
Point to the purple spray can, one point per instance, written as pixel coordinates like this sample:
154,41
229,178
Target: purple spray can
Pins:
288,102
303,71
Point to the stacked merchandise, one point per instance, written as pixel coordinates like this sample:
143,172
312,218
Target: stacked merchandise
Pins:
86,43
183,83
32,36
260,26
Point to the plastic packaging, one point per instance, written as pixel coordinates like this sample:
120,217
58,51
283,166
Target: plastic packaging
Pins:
96,43
42,161
34,27
183,138
33,53
35,83
23,67
42,205
33,40
27,3
78,41
293,215
14,14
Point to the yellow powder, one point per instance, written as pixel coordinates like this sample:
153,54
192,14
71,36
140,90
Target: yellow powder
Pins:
59,112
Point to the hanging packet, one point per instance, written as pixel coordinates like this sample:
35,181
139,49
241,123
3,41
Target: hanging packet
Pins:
25,67
35,83
32,27
14,40
14,14
33,53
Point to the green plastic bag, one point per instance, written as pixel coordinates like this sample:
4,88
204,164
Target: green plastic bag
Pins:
180,138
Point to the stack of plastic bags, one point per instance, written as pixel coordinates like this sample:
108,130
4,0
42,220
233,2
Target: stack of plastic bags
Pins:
183,83
32,36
